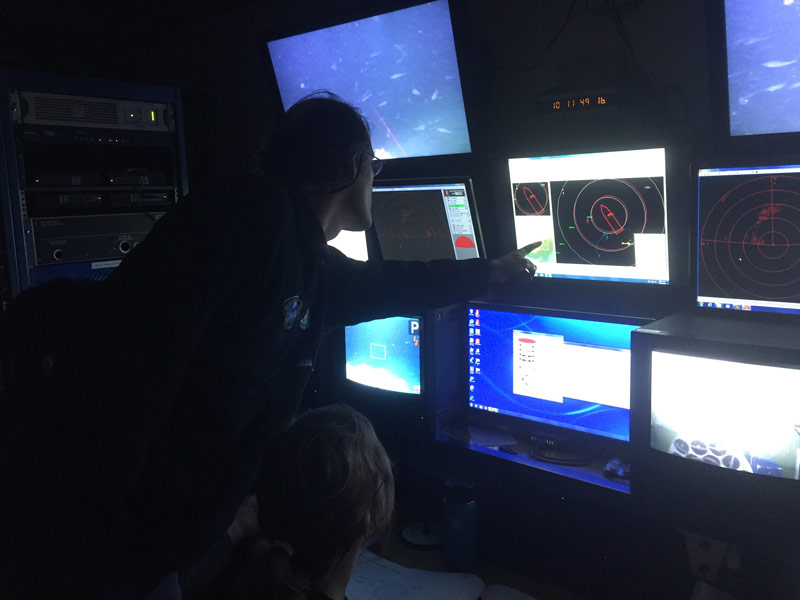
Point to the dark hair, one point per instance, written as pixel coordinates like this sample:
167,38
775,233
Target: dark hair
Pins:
308,147
326,484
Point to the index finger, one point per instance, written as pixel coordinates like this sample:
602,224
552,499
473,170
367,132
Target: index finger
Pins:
525,250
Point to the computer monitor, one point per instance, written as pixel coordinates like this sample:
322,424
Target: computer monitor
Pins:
763,66
600,216
352,244
705,409
715,428
559,368
748,240
399,68
426,219
385,354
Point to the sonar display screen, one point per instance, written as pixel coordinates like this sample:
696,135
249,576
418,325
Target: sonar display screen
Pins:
763,49
424,221
385,354
571,372
749,238
399,68
599,216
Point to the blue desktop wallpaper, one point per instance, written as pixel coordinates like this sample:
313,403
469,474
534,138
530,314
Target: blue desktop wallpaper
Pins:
384,354
399,69
763,43
493,384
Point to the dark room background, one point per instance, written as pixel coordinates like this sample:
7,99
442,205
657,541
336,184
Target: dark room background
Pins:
209,49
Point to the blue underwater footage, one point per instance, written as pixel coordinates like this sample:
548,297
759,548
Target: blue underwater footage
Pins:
385,354
399,68
763,43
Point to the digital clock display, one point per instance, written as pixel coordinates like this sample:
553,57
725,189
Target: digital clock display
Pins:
569,103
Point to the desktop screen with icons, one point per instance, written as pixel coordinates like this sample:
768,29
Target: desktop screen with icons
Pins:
570,370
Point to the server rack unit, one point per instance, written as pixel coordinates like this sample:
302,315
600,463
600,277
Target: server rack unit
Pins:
86,168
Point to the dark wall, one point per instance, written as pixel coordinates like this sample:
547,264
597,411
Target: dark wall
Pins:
209,49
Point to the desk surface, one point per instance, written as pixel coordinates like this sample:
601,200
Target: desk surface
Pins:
393,548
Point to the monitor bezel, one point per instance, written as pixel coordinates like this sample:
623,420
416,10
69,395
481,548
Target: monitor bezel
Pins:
728,161
717,51
367,389
533,424
674,156
683,490
459,22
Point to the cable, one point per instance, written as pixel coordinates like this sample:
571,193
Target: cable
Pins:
552,41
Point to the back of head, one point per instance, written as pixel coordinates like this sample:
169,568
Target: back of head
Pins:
308,147
326,485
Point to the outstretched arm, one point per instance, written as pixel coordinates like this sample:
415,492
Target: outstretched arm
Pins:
361,291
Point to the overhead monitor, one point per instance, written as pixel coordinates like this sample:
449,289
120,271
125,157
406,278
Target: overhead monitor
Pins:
426,219
748,241
399,68
385,354
763,66
569,370
600,216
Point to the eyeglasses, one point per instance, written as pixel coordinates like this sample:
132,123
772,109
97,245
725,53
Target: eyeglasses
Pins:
377,165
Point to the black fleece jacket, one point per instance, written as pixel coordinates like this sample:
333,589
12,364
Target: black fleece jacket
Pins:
202,343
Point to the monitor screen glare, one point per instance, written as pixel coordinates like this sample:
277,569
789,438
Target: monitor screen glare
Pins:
763,49
385,354
599,216
399,68
424,221
568,372
352,244
749,238
731,415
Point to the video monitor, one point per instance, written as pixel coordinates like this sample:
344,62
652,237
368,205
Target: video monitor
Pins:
426,219
570,370
352,244
749,238
763,66
385,354
399,68
729,414
600,216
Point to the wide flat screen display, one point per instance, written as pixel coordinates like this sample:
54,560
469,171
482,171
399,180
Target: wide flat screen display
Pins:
399,68
571,372
749,238
599,215
425,220
385,354
731,415
763,49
